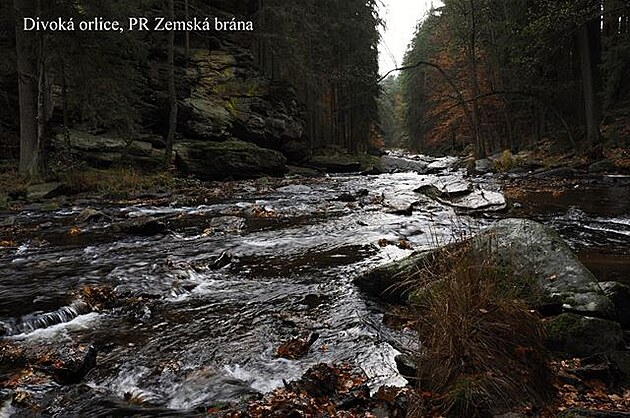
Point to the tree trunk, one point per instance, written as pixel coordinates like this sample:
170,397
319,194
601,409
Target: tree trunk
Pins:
27,66
187,35
589,44
172,93
43,104
480,148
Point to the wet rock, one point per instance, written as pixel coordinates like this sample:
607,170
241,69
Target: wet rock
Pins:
619,295
90,215
44,191
620,361
8,221
537,251
313,300
407,368
580,336
399,205
390,164
390,282
564,172
446,187
346,197
483,166
372,170
461,198
226,224
142,225
335,163
297,347
72,366
228,160
303,171
221,261
602,166
534,252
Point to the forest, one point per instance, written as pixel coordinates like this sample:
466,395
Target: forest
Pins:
230,208
505,75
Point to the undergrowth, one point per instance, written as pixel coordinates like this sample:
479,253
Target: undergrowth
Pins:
115,182
482,347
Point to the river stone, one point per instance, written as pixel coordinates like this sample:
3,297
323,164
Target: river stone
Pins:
141,225
390,164
228,160
89,215
483,166
335,163
532,250
581,336
399,205
44,191
619,294
602,166
445,186
477,200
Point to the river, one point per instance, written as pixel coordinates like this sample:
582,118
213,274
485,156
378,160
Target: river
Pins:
208,302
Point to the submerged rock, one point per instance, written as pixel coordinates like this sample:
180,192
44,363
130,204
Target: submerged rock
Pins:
142,225
73,370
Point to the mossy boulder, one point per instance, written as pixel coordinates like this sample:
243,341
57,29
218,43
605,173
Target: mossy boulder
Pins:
534,254
619,294
581,336
107,150
228,160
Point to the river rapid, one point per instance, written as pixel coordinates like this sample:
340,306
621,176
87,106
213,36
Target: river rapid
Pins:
208,302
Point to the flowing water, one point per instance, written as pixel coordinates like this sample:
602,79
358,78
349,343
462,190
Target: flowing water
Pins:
208,303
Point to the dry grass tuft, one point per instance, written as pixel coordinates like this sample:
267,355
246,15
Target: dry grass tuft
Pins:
482,348
115,182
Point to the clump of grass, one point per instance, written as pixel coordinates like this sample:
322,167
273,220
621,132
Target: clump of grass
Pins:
505,162
11,184
120,182
482,348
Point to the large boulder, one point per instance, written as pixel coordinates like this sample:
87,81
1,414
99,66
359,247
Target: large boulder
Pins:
619,295
106,150
335,163
228,160
392,163
580,336
537,251
532,252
